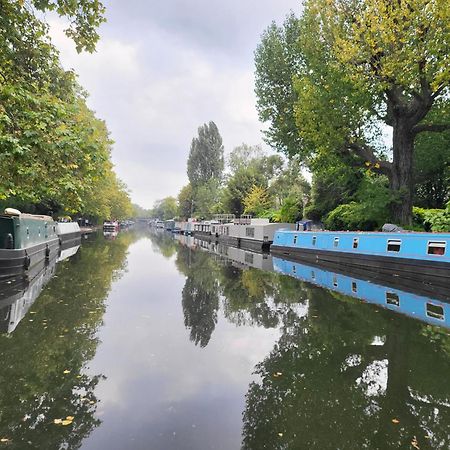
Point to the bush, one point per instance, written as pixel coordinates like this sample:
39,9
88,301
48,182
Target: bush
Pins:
437,220
351,216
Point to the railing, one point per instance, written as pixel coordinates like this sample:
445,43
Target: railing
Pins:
245,219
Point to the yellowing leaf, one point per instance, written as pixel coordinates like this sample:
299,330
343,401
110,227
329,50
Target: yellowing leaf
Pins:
66,371
66,422
395,421
70,417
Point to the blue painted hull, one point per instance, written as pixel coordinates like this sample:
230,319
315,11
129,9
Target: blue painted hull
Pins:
424,255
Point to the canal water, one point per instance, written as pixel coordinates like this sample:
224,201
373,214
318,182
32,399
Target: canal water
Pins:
141,341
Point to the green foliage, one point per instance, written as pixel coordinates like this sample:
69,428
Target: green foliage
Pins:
55,154
370,212
290,211
207,199
277,60
165,209
342,76
432,168
206,161
84,16
437,220
186,202
257,201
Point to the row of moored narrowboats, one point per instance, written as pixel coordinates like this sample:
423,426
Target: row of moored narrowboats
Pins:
415,254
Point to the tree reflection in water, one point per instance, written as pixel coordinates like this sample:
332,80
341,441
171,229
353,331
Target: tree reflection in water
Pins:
343,374
43,372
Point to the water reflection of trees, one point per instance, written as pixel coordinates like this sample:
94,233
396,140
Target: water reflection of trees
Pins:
43,362
342,373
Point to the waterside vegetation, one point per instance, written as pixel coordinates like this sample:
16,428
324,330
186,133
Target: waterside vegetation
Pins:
356,93
55,154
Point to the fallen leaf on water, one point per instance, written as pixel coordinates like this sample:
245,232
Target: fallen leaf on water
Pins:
395,421
4,440
57,421
415,444
66,422
32,312
280,434
70,417
66,371
78,376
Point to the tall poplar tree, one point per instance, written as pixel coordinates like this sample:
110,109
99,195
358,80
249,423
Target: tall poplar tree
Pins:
206,161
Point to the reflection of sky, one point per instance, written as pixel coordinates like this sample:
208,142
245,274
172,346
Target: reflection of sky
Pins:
161,391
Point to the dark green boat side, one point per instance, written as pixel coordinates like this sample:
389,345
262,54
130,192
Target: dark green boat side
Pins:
25,240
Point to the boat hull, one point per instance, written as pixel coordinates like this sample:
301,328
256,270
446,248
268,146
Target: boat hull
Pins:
17,261
436,272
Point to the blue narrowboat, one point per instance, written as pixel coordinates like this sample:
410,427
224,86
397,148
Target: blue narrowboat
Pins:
425,255
25,240
426,309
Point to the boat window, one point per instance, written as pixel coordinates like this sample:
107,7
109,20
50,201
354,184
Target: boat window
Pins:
436,247
250,232
295,239
335,283
354,286
293,268
314,240
336,242
392,299
355,242
393,245
313,275
435,311
249,258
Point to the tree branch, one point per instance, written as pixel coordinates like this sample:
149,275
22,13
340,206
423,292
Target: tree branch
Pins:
431,127
367,154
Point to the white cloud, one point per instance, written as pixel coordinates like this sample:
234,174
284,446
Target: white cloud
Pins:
155,83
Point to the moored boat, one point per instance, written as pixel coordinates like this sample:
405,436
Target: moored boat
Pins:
110,226
251,233
424,255
69,233
25,240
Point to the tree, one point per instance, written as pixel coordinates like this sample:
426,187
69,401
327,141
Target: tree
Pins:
205,161
432,170
243,155
207,199
257,201
165,209
186,202
361,73
277,60
85,16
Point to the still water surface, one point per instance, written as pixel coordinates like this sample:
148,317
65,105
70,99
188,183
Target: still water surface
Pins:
145,343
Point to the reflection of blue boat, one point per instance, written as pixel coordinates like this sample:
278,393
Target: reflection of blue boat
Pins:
429,310
425,255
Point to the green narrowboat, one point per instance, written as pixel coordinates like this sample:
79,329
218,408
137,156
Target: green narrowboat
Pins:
25,240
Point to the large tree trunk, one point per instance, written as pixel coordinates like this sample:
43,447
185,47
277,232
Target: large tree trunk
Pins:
401,179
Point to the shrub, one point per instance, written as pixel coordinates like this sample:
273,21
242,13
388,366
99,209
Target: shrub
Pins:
437,220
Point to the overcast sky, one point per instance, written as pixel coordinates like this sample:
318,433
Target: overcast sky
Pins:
162,69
